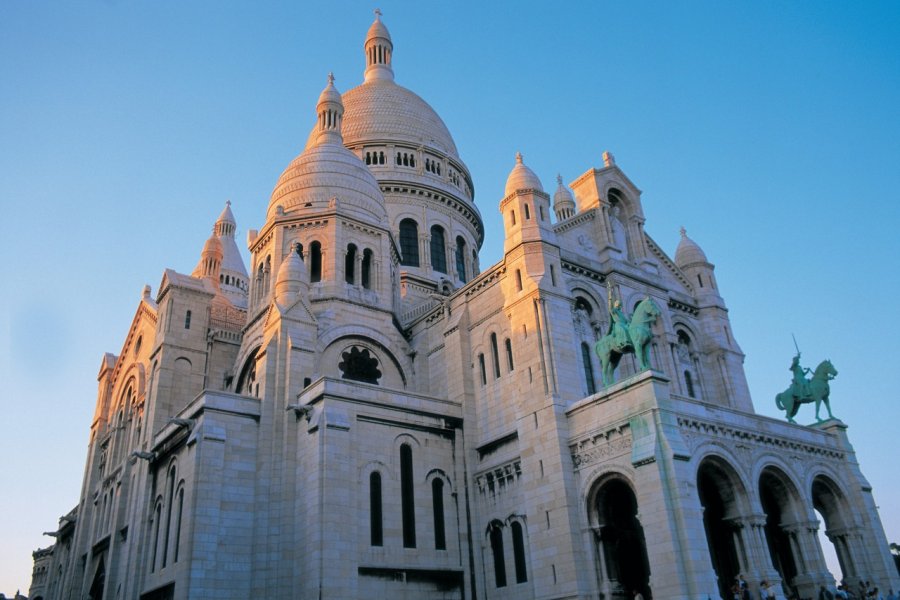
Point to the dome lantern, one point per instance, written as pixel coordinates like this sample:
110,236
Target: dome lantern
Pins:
378,48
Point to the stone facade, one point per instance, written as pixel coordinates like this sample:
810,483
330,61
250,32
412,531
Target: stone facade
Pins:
366,414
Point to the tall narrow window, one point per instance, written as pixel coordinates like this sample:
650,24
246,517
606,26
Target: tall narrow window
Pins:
509,357
689,384
588,368
495,355
497,551
366,275
407,496
518,280
350,263
461,258
483,371
375,519
178,523
438,249
157,517
409,243
437,498
187,320
527,212
518,540
315,262
169,502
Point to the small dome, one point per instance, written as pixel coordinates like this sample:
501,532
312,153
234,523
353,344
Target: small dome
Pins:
522,178
292,277
329,95
562,196
326,174
377,29
213,247
227,216
688,252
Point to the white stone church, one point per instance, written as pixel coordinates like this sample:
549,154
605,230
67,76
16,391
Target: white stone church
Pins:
369,412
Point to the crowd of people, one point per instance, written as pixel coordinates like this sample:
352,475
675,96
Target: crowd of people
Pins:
844,591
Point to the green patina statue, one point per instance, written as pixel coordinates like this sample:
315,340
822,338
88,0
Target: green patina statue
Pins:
804,391
626,336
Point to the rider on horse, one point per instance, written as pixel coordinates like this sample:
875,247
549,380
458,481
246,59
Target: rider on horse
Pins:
618,322
800,388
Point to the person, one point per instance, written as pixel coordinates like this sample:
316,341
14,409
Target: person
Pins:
619,324
801,386
637,595
841,592
825,593
766,591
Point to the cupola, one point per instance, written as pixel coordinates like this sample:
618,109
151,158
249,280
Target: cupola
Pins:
330,110
563,202
210,264
522,178
691,259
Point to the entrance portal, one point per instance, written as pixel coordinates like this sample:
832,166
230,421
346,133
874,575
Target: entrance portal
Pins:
779,502
622,550
719,487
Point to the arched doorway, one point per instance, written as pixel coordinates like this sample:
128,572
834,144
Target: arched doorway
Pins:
621,548
830,503
780,503
722,494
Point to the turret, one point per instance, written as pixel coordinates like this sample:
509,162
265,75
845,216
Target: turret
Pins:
210,264
525,207
691,259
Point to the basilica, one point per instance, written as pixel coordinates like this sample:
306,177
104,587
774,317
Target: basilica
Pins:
367,411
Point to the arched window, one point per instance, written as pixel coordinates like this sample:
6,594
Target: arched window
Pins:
437,498
376,531
483,371
381,158
495,355
409,243
509,356
497,552
187,320
350,263
518,539
366,275
157,517
527,212
438,249
461,258
588,368
407,497
315,262
518,280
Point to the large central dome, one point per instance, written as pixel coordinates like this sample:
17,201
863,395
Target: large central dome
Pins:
382,111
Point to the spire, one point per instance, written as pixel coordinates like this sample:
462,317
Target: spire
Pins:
330,110
292,278
378,49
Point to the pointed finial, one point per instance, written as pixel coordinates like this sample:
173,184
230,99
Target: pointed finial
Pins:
683,232
559,179
330,78
518,158
377,14
608,159
228,203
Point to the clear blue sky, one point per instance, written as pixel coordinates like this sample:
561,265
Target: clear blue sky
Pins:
770,130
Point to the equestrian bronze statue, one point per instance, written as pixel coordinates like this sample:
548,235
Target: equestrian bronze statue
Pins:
804,391
626,336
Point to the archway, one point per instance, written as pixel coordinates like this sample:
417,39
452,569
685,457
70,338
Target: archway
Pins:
780,504
830,503
721,494
622,551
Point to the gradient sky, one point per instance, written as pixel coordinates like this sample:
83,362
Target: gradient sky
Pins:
770,130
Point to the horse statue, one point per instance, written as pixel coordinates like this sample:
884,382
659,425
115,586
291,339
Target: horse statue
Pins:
804,391
631,337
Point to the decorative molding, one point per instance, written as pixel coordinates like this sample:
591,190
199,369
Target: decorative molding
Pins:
611,443
694,429
500,478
